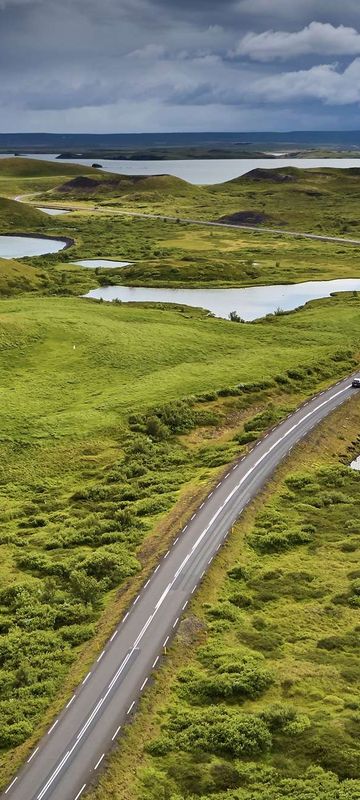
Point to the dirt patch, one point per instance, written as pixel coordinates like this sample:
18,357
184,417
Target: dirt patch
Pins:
247,218
82,183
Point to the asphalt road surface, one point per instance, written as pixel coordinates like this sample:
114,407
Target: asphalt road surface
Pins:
72,752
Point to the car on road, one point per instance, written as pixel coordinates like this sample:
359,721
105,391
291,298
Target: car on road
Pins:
356,383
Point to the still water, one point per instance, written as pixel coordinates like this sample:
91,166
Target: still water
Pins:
54,212
21,246
92,263
250,303
205,171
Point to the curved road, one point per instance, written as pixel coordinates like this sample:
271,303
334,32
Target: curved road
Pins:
69,755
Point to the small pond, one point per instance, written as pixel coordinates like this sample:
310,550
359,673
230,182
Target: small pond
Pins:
21,246
106,263
55,212
250,303
356,464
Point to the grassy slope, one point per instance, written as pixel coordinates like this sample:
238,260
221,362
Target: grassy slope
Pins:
127,359
72,371
26,175
314,200
294,613
20,217
17,277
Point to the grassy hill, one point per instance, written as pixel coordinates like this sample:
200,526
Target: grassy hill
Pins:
17,277
315,200
36,168
28,175
20,216
136,187
76,484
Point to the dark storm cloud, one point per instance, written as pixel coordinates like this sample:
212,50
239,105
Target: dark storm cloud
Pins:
139,64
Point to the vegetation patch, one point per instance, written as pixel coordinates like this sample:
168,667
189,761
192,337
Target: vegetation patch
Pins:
264,704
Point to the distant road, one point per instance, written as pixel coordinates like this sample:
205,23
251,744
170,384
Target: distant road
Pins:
21,198
72,752
256,228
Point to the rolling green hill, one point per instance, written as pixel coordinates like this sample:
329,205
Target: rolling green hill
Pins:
34,168
137,186
17,277
28,175
20,216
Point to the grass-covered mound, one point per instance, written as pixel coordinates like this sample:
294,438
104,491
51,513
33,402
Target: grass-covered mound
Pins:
20,216
29,175
320,200
36,168
106,185
17,277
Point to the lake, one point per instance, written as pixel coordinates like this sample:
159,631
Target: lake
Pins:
54,212
93,263
205,171
250,303
21,246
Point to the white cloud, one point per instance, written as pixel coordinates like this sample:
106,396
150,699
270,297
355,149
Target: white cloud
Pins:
323,82
318,38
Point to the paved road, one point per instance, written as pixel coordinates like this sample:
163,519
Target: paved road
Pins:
69,755
257,228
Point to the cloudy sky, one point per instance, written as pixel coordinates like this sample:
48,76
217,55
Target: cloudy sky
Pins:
189,65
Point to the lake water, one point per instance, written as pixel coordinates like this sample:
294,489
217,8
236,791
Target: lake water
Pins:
54,212
92,263
356,464
250,303
205,171
21,246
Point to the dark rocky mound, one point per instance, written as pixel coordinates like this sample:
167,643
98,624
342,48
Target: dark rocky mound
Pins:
80,184
246,218
271,175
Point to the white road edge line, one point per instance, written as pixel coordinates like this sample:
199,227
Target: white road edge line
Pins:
86,678
100,760
143,684
70,701
130,708
53,726
81,791
32,755
113,636
116,733
11,785
100,656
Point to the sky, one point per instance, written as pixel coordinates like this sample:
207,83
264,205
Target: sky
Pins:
106,66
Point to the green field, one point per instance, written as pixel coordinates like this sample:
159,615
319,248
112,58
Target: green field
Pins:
258,698
115,419
84,489
170,254
320,200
